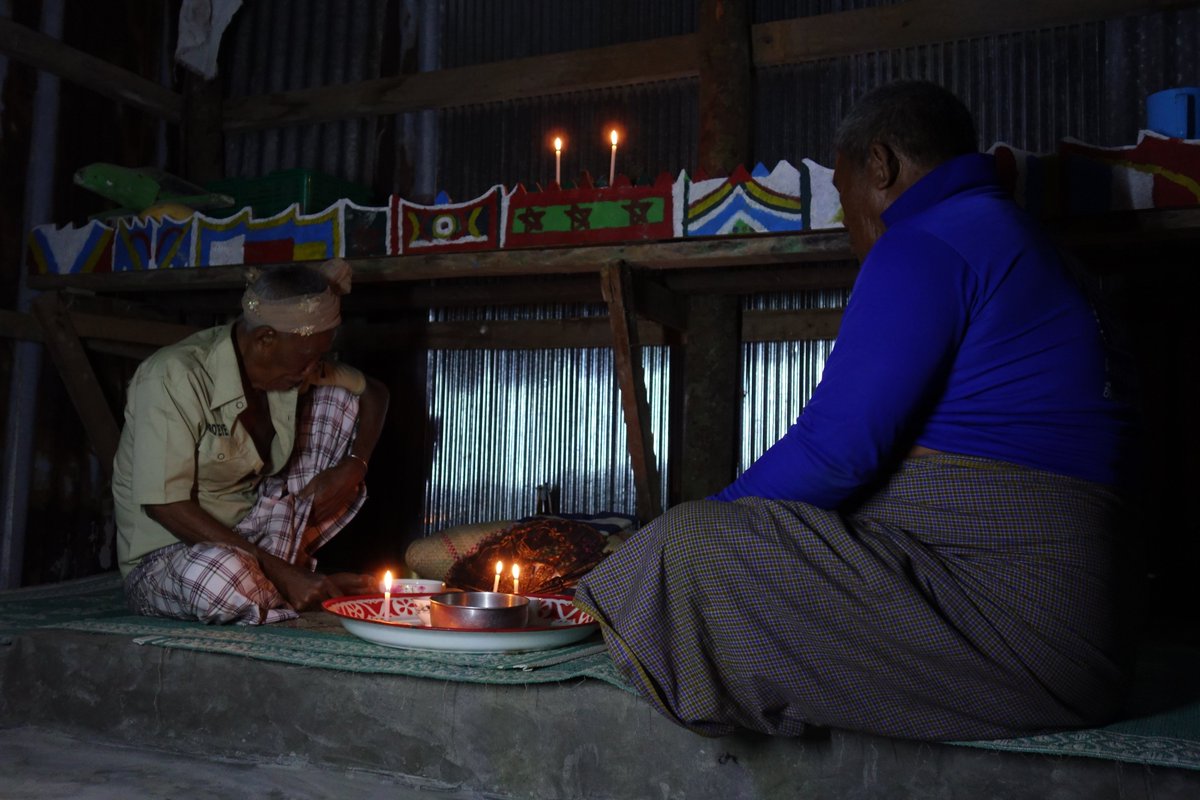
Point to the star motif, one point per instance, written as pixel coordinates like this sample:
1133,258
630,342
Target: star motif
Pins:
531,218
579,217
637,210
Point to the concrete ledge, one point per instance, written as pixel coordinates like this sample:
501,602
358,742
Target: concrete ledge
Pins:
582,740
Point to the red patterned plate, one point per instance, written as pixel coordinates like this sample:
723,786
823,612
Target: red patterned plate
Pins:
553,622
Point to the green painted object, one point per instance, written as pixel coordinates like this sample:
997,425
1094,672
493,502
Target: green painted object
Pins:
136,189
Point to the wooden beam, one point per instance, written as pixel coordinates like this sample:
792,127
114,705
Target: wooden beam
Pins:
915,22
791,41
791,326
712,397
658,303
101,327
531,334
667,58
726,85
62,342
617,285
203,139
50,55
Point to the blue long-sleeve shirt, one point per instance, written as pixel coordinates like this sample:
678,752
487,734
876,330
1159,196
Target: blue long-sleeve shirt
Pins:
963,333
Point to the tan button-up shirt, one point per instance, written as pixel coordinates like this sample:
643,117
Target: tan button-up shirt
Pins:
182,439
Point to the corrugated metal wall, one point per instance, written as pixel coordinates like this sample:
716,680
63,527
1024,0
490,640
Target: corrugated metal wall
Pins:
282,45
504,422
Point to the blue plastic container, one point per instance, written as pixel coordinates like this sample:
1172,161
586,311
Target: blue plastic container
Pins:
1175,112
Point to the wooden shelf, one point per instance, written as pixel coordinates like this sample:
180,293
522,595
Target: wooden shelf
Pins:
690,265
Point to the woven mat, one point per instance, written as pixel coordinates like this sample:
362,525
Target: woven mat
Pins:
317,639
1166,731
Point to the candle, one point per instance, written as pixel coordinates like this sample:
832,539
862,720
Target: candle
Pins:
516,579
496,583
612,165
387,595
558,160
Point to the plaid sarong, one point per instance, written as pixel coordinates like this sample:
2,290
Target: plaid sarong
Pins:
964,599
217,583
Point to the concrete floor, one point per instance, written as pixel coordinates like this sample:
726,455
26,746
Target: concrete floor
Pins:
177,723
37,764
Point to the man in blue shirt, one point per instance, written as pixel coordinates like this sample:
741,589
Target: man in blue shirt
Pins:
929,551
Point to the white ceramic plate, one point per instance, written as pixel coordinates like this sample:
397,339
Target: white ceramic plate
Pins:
553,622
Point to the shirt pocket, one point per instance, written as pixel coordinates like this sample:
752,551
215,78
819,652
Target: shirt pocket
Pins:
226,462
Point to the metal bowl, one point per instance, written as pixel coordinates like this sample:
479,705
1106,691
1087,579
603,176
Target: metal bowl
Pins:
478,610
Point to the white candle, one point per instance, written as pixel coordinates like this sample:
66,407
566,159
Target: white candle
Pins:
496,583
516,579
387,595
612,165
558,160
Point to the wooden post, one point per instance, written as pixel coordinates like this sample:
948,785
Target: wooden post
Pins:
712,396
616,282
62,342
726,85
201,131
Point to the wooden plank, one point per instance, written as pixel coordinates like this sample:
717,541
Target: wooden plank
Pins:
533,334
675,254
791,326
667,58
712,396
16,325
49,54
617,285
915,22
62,342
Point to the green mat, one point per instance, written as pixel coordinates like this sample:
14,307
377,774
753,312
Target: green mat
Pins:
1163,731
97,605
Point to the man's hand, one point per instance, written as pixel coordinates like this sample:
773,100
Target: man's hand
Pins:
354,583
303,590
334,488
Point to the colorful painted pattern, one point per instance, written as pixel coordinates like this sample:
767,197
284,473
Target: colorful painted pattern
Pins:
451,227
1081,179
591,216
1157,172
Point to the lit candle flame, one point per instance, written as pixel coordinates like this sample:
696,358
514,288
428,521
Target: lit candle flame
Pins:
499,569
612,164
516,572
387,595
557,144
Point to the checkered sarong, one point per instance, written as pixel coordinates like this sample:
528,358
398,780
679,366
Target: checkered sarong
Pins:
965,599
218,583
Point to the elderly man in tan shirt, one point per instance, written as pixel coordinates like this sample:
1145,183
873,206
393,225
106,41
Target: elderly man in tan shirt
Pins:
244,450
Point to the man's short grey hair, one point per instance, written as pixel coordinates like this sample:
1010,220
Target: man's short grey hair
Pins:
917,119
293,280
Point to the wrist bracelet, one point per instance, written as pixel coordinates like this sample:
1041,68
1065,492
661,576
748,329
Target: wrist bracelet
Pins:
366,466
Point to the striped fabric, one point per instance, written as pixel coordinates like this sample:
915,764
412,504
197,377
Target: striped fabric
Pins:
217,583
965,599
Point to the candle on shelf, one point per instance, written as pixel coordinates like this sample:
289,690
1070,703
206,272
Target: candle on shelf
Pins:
558,160
496,583
612,165
516,579
387,595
